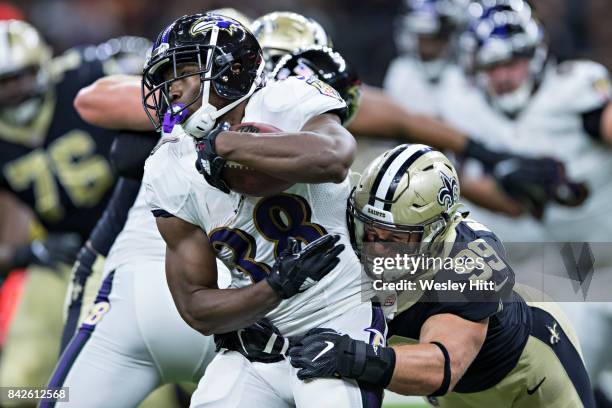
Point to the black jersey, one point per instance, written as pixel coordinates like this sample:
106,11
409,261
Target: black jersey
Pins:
509,315
59,164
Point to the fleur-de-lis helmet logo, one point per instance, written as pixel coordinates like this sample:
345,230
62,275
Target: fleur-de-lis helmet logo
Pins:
449,192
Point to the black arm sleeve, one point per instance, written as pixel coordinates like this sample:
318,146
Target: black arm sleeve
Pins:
115,215
130,151
591,122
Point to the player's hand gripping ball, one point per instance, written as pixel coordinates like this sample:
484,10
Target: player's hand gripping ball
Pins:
244,180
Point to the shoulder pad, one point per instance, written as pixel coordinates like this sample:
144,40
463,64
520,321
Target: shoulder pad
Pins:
586,84
291,91
289,103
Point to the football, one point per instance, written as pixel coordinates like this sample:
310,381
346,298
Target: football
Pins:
244,180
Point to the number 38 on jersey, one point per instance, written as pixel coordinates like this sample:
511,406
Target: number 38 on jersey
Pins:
276,218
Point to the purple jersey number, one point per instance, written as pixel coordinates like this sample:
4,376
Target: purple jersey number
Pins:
276,218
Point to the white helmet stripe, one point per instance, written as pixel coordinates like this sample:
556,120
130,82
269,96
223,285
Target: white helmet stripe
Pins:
412,153
209,63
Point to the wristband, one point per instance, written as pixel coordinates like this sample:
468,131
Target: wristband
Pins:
365,363
447,372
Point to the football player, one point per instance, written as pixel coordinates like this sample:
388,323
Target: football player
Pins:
57,165
282,32
205,71
470,347
182,356
541,107
37,133
426,39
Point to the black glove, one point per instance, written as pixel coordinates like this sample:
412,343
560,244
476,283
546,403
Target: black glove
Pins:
488,158
298,269
56,249
261,342
209,163
536,182
327,353
531,181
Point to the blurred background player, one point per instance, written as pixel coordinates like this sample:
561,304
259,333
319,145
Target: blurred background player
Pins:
283,32
58,165
528,103
516,83
426,35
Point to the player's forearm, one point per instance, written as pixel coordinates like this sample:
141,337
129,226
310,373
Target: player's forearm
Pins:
307,157
16,220
211,311
485,193
380,115
419,369
606,125
113,102
435,133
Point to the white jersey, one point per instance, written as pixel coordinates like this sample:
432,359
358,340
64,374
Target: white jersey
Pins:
248,232
408,84
139,239
140,242
551,125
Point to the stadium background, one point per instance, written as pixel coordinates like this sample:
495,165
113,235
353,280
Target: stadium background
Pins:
362,30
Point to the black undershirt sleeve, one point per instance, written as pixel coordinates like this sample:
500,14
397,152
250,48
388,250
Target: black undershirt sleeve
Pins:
130,151
115,215
591,122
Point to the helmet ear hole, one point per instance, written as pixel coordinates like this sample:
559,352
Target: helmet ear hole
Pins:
430,167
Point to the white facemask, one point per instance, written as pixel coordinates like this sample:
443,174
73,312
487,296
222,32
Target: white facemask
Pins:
512,103
22,114
434,68
204,119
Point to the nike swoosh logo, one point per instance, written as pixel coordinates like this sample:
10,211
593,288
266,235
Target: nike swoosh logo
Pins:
501,285
329,346
533,390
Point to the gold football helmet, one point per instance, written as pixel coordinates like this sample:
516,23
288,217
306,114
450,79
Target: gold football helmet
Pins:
24,72
282,32
411,191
